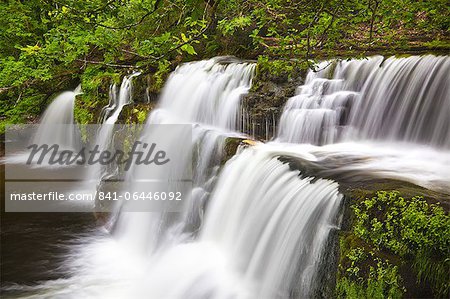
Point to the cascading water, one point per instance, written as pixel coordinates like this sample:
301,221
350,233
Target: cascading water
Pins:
117,100
112,103
53,127
207,92
142,241
206,95
265,225
56,127
271,223
255,227
262,237
397,99
109,117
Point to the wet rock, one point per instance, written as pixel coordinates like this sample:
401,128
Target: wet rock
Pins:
135,113
232,145
143,89
262,107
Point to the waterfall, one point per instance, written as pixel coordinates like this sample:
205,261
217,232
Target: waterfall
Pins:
264,227
117,100
258,226
263,236
207,92
396,99
56,124
108,117
113,100
206,95
271,223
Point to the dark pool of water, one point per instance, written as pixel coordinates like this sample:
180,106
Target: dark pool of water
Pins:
33,245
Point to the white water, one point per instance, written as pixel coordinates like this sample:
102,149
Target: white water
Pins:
139,238
207,92
263,231
264,228
362,161
56,126
261,219
109,117
117,100
262,237
397,99
53,125
215,89
270,224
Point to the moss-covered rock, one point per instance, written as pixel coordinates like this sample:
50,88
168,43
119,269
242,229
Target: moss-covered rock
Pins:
146,88
390,245
95,96
232,145
89,104
393,246
275,82
135,113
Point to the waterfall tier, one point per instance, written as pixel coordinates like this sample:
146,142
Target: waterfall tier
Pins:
258,226
397,99
207,92
57,123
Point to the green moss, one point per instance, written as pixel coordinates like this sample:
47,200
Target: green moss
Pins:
389,231
95,83
382,280
277,71
230,148
135,113
437,44
159,78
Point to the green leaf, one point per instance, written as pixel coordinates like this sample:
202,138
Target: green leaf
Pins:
188,49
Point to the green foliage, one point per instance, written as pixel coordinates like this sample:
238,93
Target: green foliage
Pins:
90,40
22,110
277,70
228,27
160,75
95,82
275,67
141,116
45,42
411,229
380,281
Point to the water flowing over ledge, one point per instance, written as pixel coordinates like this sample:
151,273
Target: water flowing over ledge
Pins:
257,227
59,112
403,99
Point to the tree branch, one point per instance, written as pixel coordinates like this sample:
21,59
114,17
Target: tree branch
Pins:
5,89
106,64
134,24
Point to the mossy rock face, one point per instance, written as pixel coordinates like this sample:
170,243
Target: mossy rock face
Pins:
230,148
369,188
144,89
135,113
393,246
88,107
263,105
232,145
